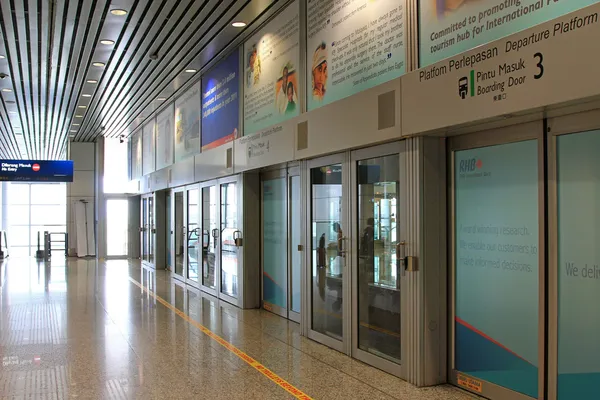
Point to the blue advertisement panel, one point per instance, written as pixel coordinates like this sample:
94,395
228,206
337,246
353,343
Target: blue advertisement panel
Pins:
353,47
36,171
578,191
450,27
271,72
220,103
275,242
497,265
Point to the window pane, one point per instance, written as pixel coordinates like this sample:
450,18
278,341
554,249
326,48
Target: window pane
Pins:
48,215
18,193
18,215
48,194
18,236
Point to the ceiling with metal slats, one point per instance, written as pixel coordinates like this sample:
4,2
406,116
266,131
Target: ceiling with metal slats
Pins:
81,69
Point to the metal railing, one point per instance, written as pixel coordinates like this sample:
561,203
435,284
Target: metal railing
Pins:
49,244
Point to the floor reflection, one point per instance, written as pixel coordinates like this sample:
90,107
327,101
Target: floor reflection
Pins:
82,330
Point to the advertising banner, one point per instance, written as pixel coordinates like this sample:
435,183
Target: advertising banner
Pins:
271,75
497,264
450,27
136,155
148,147
352,46
220,103
578,188
523,71
187,123
165,127
36,171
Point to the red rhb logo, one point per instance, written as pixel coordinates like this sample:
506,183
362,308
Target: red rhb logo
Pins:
36,167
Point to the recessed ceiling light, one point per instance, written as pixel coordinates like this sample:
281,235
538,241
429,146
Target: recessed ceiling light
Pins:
118,12
86,95
238,24
190,71
73,130
12,112
98,64
161,99
107,42
82,106
2,56
79,116
92,81
7,90
75,124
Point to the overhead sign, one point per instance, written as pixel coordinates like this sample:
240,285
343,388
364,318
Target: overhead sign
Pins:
221,103
450,27
353,47
36,171
523,71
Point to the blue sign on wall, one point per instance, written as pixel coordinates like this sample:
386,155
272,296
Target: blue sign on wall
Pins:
36,171
220,103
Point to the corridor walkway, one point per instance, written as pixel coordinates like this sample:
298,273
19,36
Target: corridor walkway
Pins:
89,331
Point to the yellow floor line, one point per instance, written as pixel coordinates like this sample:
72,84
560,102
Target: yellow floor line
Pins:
294,391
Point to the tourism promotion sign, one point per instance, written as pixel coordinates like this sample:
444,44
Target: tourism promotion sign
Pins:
165,127
548,64
136,155
352,46
271,72
187,123
450,27
148,147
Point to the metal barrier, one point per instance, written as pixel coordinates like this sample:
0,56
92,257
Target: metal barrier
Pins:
46,253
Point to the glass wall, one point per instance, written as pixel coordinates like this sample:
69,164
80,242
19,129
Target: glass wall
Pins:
33,208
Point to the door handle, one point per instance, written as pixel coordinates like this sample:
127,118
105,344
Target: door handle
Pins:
215,233
400,258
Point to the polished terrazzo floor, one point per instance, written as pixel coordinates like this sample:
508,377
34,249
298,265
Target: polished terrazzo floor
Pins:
87,331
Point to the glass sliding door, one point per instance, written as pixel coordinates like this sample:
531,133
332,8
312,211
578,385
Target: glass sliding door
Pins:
497,255
193,234
329,251
144,229
295,241
210,236
377,267
574,281
229,232
179,233
151,232
281,238
274,242
169,231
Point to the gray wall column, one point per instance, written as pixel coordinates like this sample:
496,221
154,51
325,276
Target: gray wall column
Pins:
83,186
425,318
100,201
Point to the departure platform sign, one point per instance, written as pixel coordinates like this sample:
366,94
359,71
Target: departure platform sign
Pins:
36,171
538,67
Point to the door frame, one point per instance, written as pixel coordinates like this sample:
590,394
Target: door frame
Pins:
174,274
559,126
186,222
146,230
237,179
388,149
293,171
345,344
212,291
511,134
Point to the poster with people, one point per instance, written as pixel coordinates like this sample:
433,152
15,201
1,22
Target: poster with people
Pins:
136,155
148,146
220,103
187,123
271,60
352,47
450,27
165,126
